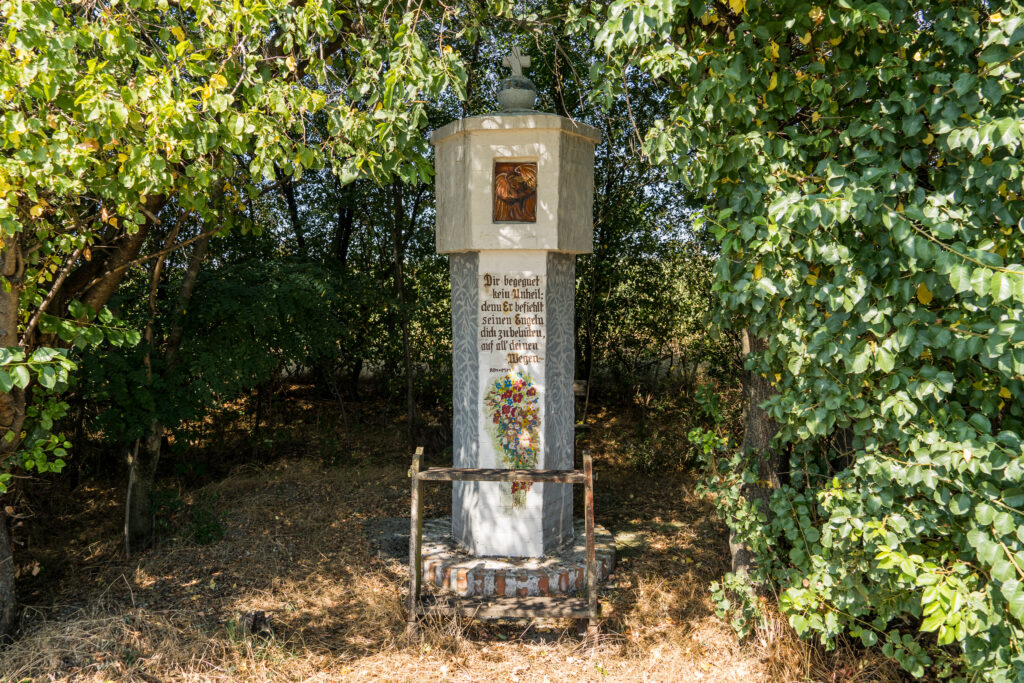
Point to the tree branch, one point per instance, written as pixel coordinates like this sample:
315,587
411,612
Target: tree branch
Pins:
188,284
157,254
64,272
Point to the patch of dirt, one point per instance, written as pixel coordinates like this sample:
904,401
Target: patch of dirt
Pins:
389,537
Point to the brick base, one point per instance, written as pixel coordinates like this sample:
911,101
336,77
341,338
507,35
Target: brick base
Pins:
564,572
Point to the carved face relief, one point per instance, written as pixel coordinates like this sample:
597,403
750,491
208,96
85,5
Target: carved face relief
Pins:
515,191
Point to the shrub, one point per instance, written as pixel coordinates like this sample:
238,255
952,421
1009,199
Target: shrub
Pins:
863,167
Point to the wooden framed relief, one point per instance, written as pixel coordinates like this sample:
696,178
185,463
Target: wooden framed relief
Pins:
515,191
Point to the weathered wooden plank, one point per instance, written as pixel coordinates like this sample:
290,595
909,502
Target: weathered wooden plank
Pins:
478,474
415,544
511,608
588,514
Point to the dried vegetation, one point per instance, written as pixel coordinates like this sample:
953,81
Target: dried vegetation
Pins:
294,590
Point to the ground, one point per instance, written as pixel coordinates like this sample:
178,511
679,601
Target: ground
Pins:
269,574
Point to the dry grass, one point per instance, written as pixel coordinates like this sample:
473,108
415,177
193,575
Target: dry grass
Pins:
294,548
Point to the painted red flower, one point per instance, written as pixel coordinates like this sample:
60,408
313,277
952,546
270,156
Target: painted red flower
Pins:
532,391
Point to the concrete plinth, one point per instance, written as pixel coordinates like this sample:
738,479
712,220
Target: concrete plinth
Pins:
560,572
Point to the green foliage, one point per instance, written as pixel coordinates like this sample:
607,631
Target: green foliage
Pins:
737,601
429,293
120,101
233,343
644,300
87,329
115,114
725,471
862,164
46,373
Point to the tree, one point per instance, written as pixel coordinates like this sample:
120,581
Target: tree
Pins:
119,117
862,164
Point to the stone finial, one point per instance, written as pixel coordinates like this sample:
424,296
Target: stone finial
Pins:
517,92
515,60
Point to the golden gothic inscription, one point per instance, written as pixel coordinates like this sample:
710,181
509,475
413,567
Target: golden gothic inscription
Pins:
515,191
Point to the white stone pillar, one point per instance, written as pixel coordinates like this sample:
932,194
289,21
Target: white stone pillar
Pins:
514,207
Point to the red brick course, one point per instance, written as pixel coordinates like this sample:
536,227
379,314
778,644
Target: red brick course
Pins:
564,572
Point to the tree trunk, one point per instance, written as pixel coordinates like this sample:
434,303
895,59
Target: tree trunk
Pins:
257,420
140,508
8,599
757,444
288,189
12,412
353,378
188,285
98,293
140,511
95,280
343,228
471,72
597,266
398,253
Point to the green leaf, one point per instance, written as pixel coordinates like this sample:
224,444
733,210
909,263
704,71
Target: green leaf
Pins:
1004,524
1001,286
115,337
47,377
933,622
980,280
984,513
861,361
981,423
994,54
960,504
1014,594
960,278
21,376
1002,570
1014,497
93,336
79,310
44,355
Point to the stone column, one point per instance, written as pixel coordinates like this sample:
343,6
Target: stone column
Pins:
514,207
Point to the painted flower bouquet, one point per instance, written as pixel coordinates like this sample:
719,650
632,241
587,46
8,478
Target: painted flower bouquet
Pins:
512,404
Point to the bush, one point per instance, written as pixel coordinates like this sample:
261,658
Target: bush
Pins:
863,167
